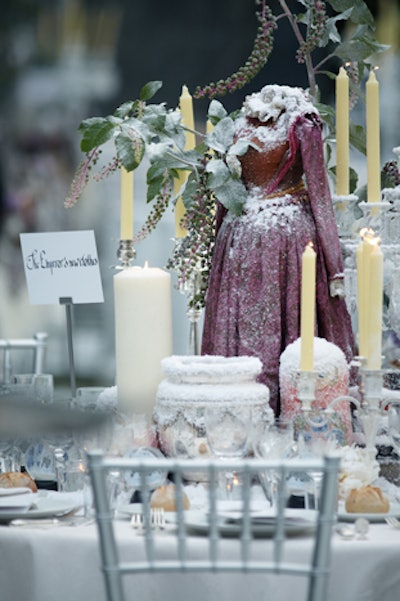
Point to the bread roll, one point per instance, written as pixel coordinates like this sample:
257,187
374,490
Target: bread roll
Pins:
164,498
17,480
368,499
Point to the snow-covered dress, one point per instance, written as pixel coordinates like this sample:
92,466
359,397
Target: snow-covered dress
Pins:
253,298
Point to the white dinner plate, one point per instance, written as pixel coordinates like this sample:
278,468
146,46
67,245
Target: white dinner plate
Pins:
42,507
12,499
344,516
297,522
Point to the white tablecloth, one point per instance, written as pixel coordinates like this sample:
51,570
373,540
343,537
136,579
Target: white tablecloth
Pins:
62,564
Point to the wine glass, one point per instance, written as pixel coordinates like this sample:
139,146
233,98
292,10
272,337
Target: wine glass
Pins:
318,434
228,427
273,440
393,413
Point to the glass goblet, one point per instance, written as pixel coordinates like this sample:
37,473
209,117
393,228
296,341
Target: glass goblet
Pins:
227,429
273,440
393,413
318,435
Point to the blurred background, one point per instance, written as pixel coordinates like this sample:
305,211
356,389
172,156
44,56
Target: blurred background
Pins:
65,60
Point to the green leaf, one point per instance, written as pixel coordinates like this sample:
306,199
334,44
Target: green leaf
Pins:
189,192
154,117
241,146
96,131
160,165
218,173
360,13
216,112
360,47
123,111
331,32
357,137
221,138
353,180
150,89
130,148
232,195
154,187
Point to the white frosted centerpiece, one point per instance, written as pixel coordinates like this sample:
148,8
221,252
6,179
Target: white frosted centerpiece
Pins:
193,382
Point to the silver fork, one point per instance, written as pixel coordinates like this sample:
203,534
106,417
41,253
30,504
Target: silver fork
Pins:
157,520
393,522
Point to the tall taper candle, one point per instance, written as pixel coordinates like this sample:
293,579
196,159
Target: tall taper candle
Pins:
362,300
307,308
342,133
373,140
375,307
186,108
143,335
126,228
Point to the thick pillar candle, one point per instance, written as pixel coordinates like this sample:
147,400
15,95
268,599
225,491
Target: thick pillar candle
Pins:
143,335
375,306
342,133
373,140
126,232
186,108
307,308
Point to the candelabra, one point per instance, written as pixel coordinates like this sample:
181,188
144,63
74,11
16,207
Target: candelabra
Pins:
368,410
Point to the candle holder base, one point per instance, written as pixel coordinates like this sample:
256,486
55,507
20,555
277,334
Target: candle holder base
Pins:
306,389
344,207
126,254
374,215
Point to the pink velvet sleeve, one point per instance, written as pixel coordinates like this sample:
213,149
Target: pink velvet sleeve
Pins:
309,136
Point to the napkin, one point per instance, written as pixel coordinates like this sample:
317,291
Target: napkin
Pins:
16,499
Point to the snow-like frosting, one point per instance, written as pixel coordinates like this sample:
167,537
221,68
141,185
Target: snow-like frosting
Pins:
108,398
208,368
329,361
277,107
359,467
273,101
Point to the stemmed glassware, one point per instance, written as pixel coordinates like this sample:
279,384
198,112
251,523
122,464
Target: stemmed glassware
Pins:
318,436
393,413
273,440
228,427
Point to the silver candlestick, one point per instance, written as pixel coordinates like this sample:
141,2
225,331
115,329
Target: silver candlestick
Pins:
126,254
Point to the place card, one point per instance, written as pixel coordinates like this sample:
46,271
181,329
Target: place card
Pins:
62,265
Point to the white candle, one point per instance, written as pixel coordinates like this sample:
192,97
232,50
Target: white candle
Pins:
307,308
373,140
126,231
342,133
186,108
143,335
375,306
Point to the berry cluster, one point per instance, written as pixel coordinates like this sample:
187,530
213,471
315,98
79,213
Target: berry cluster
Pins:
316,25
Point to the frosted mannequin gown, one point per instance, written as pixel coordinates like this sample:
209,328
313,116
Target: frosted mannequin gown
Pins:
253,297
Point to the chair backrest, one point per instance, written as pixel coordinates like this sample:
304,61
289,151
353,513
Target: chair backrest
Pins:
37,344
272,558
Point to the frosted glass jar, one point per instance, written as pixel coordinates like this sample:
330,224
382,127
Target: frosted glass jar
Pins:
192,382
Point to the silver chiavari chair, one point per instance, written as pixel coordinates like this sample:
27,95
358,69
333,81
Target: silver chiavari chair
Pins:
37,344
315,568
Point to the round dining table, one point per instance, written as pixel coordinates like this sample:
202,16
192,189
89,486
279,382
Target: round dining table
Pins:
45,561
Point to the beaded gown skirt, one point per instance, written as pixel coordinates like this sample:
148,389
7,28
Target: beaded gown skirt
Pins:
253,299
